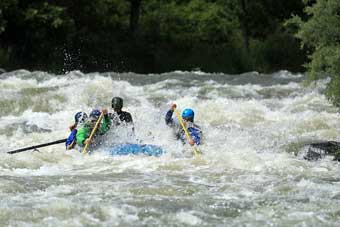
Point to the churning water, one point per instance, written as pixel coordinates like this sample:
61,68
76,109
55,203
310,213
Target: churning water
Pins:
250,173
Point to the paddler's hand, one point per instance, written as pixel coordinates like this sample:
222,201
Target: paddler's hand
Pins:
191,142
104,111
87,141
173,107
72,127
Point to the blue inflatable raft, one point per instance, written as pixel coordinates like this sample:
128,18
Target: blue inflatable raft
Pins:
133,148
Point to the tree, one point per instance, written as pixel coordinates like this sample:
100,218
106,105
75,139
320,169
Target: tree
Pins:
260,19
135,6
146,36
321,33
33,32
4,5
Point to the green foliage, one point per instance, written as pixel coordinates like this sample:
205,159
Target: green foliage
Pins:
280,49
195,20
193,34
321,34
333,68
96,35
43,13
4,5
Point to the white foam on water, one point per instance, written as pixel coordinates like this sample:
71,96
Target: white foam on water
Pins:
246,175
187,218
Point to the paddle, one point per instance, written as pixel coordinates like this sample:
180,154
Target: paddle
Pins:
185,130
37,146
92,133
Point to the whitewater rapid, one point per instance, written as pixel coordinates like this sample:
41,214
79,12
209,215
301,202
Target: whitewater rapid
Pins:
250,172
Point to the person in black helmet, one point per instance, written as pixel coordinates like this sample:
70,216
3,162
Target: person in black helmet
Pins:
120,117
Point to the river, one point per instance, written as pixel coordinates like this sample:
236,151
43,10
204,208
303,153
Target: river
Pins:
249,173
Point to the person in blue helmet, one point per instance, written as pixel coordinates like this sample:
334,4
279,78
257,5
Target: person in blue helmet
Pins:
79,118
83,133
188,117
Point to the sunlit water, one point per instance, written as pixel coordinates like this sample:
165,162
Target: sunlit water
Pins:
248,175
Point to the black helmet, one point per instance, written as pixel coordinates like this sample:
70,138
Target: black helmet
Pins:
117,103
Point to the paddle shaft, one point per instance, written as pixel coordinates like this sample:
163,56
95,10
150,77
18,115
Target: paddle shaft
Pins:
185,130
92,133
37,146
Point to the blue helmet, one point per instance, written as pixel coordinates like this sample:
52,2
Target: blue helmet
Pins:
80,117
188,114
95,113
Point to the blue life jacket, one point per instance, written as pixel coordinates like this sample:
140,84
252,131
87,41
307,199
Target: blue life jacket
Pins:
195,134
71,140
194,130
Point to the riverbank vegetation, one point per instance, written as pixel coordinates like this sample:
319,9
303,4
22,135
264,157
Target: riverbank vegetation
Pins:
320,33
154,36
231,36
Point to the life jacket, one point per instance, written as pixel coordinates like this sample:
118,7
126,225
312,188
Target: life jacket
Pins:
194,131
120,117
71,140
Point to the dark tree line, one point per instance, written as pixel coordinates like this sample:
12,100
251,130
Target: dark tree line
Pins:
146,36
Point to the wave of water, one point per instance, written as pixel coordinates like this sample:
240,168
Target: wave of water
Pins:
247,175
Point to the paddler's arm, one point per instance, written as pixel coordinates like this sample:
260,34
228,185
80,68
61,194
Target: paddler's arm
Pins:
70,141
105,123
168,117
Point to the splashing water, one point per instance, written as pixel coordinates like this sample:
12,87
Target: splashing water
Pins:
247,175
